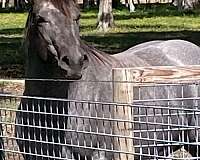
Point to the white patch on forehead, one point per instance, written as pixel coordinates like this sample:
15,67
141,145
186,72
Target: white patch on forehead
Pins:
49,5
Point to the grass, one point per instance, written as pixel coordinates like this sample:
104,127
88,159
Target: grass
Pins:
147,23
11,31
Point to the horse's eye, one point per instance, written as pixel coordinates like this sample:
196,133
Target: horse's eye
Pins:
40,20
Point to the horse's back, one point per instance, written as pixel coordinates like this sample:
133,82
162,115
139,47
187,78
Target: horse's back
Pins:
161,53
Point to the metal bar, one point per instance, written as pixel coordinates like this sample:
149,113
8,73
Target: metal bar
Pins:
158,122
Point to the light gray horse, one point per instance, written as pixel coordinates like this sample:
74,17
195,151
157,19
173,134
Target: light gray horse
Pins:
54,50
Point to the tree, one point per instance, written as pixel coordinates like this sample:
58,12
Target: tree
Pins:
20,4
4,3
116,3
105,17
88,3
186,4
17,4
130,5
11,3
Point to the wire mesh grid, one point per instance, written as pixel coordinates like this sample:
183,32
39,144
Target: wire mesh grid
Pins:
164,124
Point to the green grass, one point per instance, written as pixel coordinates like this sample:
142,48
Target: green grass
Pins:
153,19
147,23
12,21
11,32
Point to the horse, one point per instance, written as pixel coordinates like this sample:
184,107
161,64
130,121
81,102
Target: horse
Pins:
54,50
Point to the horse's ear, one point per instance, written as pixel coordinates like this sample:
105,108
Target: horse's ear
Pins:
29,1
33,2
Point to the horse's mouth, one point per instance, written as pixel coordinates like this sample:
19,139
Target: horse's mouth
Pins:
66,74
74,77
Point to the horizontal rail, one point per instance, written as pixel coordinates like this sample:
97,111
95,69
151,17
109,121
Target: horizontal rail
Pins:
175,107
85,147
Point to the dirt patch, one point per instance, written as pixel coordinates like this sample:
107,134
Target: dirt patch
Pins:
12,71
11,87
14,87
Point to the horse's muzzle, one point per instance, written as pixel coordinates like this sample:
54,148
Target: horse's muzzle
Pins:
70,74
74,77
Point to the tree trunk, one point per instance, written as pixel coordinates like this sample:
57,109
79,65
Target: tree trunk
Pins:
191,4
4,3
92,3
105,16
185,4
188,4
115,3
126,3
86,4
180,4
11,3
97,2
20,4
131,6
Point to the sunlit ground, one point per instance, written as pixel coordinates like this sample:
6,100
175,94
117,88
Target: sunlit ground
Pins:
147,23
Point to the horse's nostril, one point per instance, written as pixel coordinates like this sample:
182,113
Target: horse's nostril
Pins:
83,59
66,60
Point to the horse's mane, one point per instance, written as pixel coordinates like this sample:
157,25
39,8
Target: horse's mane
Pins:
65,5
99,56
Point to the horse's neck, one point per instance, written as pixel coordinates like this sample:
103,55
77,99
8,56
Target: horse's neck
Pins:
99,69
36,69
94,86
100,61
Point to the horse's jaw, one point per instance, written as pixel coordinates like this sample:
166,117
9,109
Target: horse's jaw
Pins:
74,77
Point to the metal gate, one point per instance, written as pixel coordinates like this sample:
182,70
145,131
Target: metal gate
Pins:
161,122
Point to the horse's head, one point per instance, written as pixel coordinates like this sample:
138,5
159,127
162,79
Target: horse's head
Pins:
53,26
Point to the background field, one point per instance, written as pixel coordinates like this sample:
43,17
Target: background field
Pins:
147,23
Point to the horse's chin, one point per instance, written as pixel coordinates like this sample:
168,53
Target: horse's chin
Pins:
74,77
65,74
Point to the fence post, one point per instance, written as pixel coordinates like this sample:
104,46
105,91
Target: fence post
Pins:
123,93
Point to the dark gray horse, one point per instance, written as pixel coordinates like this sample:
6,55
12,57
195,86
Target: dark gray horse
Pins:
54,50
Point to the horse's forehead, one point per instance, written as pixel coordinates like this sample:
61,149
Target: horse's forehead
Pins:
47,5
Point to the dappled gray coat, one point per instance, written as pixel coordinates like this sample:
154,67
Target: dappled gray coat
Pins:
54,50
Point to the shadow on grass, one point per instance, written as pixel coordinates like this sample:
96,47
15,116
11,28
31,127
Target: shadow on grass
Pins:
150,26
114,43
12,57
145,11
11,48
11,51
11,31
149,14
13,10
88,27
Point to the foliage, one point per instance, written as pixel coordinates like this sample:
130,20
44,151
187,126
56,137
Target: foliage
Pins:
147,23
